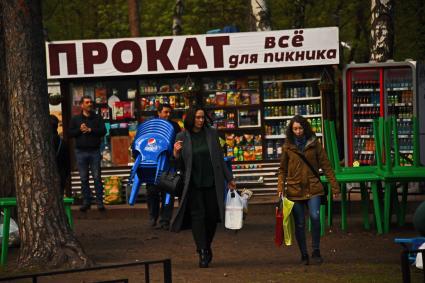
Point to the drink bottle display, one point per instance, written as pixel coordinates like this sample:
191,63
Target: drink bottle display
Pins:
375,90
294,96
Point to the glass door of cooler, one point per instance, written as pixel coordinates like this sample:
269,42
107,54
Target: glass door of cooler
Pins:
399,102
363,106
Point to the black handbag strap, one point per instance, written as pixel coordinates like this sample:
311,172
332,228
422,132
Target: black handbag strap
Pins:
308,164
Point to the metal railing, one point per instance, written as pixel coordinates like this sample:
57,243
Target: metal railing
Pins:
405,264
165,262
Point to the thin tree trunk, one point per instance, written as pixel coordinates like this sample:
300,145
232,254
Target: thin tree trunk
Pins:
177,18
6,177
299,16
46,238
133,18
261,15
382,30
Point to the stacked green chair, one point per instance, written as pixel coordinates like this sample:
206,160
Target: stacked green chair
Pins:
6,205
346,175
391,171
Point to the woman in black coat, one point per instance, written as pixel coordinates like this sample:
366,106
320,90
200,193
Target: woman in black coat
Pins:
198,151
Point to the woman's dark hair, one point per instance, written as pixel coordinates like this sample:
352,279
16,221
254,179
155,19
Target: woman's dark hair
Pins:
308,132
54,122
189,121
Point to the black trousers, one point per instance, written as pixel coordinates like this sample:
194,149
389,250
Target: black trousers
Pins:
156,205
204,215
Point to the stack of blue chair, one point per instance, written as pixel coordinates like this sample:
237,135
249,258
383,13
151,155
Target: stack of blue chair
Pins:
152,147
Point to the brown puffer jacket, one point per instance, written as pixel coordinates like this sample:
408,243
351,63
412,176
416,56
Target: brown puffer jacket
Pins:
300,182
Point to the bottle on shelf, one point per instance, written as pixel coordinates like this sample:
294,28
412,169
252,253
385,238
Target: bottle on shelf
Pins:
269,149
278,148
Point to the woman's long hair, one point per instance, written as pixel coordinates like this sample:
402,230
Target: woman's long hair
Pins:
308,132
189,121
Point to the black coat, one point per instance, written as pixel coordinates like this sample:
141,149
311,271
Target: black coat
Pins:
90,140
182,219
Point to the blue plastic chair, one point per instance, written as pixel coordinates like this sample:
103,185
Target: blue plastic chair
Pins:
151,149
410,244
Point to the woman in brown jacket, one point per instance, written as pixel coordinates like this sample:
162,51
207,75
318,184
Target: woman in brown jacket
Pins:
299,183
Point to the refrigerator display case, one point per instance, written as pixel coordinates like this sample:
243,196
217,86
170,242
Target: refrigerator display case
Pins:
375,90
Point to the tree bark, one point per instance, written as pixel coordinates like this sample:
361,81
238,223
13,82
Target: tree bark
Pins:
382,30
261,15
177,17
133,18
7,188
299,16
46,238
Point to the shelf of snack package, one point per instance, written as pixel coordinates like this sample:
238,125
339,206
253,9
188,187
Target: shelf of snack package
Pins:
233,104
163,91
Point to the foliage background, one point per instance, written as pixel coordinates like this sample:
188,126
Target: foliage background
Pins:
84,19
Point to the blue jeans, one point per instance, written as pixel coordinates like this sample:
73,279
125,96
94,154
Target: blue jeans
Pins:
90,160
298,211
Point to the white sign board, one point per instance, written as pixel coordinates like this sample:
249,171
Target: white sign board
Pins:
196,53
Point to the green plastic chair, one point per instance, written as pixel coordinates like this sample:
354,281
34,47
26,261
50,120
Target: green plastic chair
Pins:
391,171
6,205
360,175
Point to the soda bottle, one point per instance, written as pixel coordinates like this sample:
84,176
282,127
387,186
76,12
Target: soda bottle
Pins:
319,125
313,125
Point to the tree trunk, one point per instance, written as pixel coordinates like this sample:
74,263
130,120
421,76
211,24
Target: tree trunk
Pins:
299,16
133,18
261,15
6,177
177,18
382,30
46,238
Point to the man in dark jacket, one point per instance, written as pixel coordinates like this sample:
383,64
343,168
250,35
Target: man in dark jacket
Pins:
155,198
88,129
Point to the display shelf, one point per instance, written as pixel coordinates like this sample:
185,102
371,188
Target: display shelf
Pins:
290,117
363,120
398,88
174,109
239,129
292,81
229,90
292,99
400,104
274,137
149,93
240,106
366,105
160,93
363,136
406,151
365,90
364,152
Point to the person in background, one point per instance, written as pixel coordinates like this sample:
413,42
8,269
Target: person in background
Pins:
298,183
198,151
156,199
61,154
88,129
